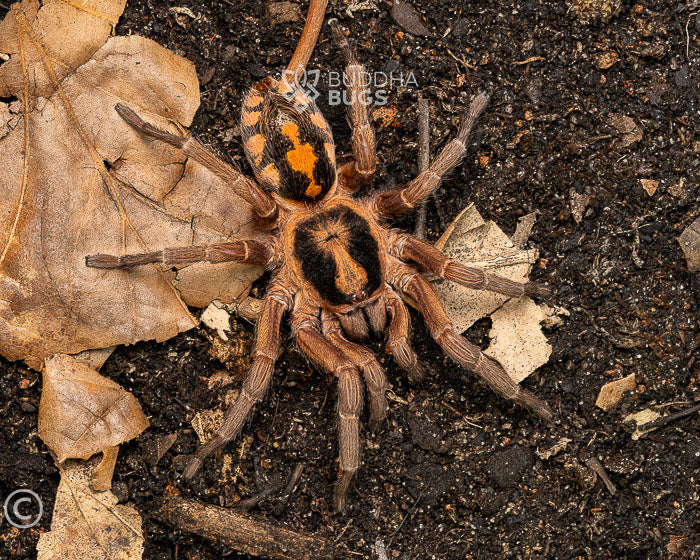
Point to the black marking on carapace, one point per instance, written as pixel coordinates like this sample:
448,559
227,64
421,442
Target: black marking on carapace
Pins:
319,265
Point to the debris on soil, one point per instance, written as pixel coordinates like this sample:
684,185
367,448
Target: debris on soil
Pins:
523,230
689,241
579,203
611,393
82,413
649,185
626,127
554,450
590,11
640,419
240,532
597,467
284,12
217,318
406,16
89,525
157,448
506,468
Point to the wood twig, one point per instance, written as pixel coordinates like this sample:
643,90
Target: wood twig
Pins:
293,479
597,467
241,532
423,159
669,418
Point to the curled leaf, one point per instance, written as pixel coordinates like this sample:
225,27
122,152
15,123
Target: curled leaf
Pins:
82,413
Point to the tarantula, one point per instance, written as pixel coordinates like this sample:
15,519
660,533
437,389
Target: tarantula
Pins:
336,268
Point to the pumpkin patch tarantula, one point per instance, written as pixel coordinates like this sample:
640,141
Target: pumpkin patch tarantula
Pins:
336,268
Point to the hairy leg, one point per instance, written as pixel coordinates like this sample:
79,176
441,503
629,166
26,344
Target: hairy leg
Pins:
361,170
427,257
397,341
264,208
247,251
405,198
467,355
332,359
364,359
267,348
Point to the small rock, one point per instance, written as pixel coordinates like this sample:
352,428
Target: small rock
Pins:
506,468
681,75
461,28
407,17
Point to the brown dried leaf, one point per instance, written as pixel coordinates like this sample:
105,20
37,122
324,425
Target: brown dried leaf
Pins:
89,525
517,339
82,413
77,180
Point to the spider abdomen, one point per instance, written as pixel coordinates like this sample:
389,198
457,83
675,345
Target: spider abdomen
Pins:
337,253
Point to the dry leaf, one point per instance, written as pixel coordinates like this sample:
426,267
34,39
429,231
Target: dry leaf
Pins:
689,241
217,318
89,525
206,422
474,242
642,418
77,180
518,343
82,413
611,393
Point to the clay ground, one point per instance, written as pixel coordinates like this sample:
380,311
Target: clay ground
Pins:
456,472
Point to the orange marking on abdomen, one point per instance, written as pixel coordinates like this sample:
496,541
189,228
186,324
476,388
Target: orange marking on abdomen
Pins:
302,158
251,118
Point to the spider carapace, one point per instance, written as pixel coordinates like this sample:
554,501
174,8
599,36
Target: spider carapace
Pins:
337,269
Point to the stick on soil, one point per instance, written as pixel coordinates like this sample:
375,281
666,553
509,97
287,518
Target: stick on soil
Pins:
242,533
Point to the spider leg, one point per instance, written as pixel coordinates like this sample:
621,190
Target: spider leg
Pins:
264,208
367,363
361,170
246,251
427,257
404,198
412,283
397,342
267,348
332,359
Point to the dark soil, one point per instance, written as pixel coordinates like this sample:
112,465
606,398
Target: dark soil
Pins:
456,472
